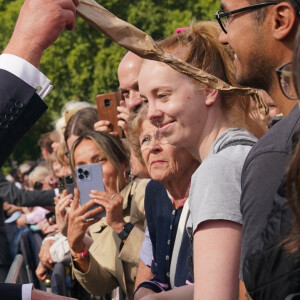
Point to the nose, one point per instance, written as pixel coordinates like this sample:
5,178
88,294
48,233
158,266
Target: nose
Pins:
223,38
133,100
154,146
154,114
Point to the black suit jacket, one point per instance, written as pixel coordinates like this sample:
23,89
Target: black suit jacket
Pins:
10,291
20,108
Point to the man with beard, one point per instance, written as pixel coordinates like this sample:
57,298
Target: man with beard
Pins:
262,34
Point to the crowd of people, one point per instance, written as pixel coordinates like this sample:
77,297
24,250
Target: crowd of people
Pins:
201,192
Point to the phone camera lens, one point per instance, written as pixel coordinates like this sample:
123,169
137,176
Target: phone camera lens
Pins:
81,176
80,170
107,102
86,173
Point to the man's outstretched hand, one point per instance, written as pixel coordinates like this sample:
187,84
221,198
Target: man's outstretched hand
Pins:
39,24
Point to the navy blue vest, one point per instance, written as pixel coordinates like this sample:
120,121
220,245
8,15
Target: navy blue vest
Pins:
163,220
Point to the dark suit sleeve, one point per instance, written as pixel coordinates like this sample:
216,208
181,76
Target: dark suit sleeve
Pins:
10,291
10,193
20,108
257,198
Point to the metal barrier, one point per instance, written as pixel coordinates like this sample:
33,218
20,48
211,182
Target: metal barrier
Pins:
17,272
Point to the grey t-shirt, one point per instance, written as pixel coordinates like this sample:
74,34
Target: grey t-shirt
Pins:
216,185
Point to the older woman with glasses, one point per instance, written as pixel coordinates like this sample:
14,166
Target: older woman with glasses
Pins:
171,169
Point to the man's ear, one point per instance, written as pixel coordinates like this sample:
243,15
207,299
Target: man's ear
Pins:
285,17
211,96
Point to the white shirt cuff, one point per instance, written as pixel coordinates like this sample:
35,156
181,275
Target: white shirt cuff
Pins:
26,291
56,191
27,72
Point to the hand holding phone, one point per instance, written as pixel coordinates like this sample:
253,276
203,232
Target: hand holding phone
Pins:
107,110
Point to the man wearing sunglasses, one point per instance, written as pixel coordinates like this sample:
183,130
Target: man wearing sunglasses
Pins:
262,34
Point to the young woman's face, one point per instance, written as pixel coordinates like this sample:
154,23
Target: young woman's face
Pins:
87,152
176,105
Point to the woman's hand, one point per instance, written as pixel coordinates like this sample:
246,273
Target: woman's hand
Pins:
113,205
61,211
79,221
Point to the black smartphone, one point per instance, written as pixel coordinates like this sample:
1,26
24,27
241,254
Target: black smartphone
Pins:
61,184
69,184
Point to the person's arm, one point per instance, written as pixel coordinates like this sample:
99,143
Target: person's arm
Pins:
146,255
11,291
261,178
77,229
61,211
13,195
113,204
41,295
217,246
184,292
143,274
39,24
37,215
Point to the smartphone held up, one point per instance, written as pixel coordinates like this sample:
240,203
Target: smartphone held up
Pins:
107,110
89,177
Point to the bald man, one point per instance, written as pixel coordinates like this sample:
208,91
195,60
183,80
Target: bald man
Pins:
128,71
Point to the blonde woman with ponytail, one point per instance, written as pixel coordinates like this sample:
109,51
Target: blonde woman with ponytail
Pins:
214,126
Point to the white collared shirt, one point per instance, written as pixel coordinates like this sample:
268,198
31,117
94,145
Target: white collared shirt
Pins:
27,72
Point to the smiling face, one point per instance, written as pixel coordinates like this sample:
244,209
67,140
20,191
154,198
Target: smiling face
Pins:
176,105
87,152
163,161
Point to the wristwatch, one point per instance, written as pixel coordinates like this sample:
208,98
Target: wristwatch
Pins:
125,231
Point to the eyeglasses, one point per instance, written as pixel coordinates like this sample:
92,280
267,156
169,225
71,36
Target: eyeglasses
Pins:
286,81
223,17
146,140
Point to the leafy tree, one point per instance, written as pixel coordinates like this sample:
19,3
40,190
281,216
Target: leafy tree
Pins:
83,63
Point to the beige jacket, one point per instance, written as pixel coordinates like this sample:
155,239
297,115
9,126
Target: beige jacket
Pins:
110,267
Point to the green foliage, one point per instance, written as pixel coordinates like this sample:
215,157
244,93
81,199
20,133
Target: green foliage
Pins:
83,63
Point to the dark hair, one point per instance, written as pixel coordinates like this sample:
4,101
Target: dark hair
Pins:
260,14
83,120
